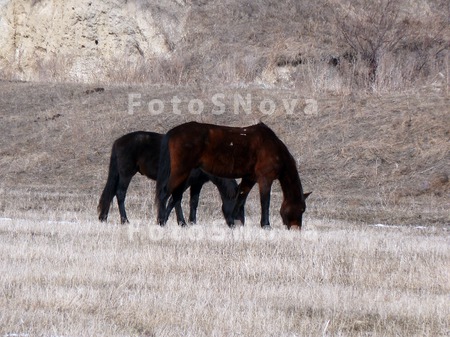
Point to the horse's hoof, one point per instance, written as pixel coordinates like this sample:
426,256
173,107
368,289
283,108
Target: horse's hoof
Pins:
294,228
238,223
124,221
266,227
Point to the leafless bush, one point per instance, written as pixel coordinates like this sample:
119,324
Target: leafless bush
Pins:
393,47
371,30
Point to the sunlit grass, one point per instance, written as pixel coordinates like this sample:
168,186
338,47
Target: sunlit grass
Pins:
69,275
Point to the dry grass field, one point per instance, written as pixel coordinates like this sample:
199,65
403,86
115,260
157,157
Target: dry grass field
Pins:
64,274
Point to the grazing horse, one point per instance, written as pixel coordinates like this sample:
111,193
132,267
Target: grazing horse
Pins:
139,152
252,153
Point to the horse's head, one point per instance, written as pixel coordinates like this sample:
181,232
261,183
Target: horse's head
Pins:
292,213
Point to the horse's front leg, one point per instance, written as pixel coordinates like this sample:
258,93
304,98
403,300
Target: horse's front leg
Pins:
229,189
264,194
245,187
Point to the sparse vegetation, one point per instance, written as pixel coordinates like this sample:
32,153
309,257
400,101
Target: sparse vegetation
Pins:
367,158
73,276
398,47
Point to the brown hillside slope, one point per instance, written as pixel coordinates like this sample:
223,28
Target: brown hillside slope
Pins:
371,159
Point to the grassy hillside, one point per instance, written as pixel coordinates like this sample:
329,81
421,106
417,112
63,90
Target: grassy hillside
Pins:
366,158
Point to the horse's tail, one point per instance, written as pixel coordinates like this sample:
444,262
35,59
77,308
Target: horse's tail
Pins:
110,188
163,177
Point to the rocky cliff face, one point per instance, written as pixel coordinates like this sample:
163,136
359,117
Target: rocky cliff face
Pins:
288,43
87,36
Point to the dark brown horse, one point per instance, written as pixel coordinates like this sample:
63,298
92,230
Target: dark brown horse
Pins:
139,152
253,153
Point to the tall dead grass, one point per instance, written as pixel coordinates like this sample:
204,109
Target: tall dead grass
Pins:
63,275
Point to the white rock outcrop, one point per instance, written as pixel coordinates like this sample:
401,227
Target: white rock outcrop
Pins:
84,37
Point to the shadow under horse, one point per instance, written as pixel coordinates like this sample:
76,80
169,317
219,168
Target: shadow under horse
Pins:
139,152
252,153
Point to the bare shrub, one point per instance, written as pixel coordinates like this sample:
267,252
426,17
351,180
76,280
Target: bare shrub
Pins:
371,30
395,48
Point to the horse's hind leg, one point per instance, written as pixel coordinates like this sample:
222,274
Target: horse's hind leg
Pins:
103,211
121,194
193,202
163,209
177,195
174,187
178,211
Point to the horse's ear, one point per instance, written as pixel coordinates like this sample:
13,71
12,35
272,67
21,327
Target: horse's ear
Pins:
306,195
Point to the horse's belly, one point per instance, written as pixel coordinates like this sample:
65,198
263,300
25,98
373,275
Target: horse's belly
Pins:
226,166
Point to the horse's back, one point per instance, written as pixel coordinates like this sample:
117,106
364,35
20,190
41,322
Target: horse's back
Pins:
225,151
138,152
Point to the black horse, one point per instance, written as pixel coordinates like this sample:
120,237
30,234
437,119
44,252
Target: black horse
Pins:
139,152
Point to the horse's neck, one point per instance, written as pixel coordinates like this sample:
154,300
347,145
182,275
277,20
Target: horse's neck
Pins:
290,182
